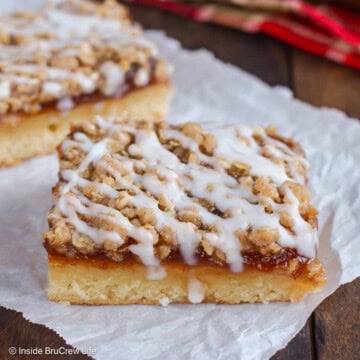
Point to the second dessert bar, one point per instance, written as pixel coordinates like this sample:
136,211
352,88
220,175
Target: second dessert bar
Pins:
68,62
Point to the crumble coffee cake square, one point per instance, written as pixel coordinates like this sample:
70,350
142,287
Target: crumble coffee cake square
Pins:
68,62
150,213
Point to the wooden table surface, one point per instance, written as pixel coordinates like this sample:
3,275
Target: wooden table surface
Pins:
332,332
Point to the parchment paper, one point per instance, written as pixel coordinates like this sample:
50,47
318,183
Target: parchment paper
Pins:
206,90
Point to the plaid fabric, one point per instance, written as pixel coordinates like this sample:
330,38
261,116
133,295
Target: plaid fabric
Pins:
322,30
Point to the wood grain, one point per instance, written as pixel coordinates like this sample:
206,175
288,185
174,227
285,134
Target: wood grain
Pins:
333,331
321,82
337,324
301,347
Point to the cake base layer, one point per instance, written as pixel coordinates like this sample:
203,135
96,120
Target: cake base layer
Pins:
41,133
97,281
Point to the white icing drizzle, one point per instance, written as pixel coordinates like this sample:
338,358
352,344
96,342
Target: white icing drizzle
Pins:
65,104
182,183
114,77
156,273
196,291
53,88
79,24
69,29
87,83
308,238
164,301
235,150
5,90
142,77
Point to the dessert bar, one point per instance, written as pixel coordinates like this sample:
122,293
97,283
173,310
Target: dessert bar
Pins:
68,62
148,213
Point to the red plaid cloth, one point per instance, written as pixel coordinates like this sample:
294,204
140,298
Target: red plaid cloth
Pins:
322,30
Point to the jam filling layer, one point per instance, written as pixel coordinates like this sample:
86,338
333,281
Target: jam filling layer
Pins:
262,263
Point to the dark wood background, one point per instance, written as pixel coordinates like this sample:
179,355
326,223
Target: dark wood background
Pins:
332,332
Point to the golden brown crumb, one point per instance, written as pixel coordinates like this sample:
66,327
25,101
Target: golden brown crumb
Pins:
194,131
208,144
146,216
238,170
190,214
265,187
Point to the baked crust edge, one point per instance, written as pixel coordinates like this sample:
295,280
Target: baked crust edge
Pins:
102,281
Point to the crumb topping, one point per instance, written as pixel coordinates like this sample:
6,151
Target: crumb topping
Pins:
69,50
211,191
